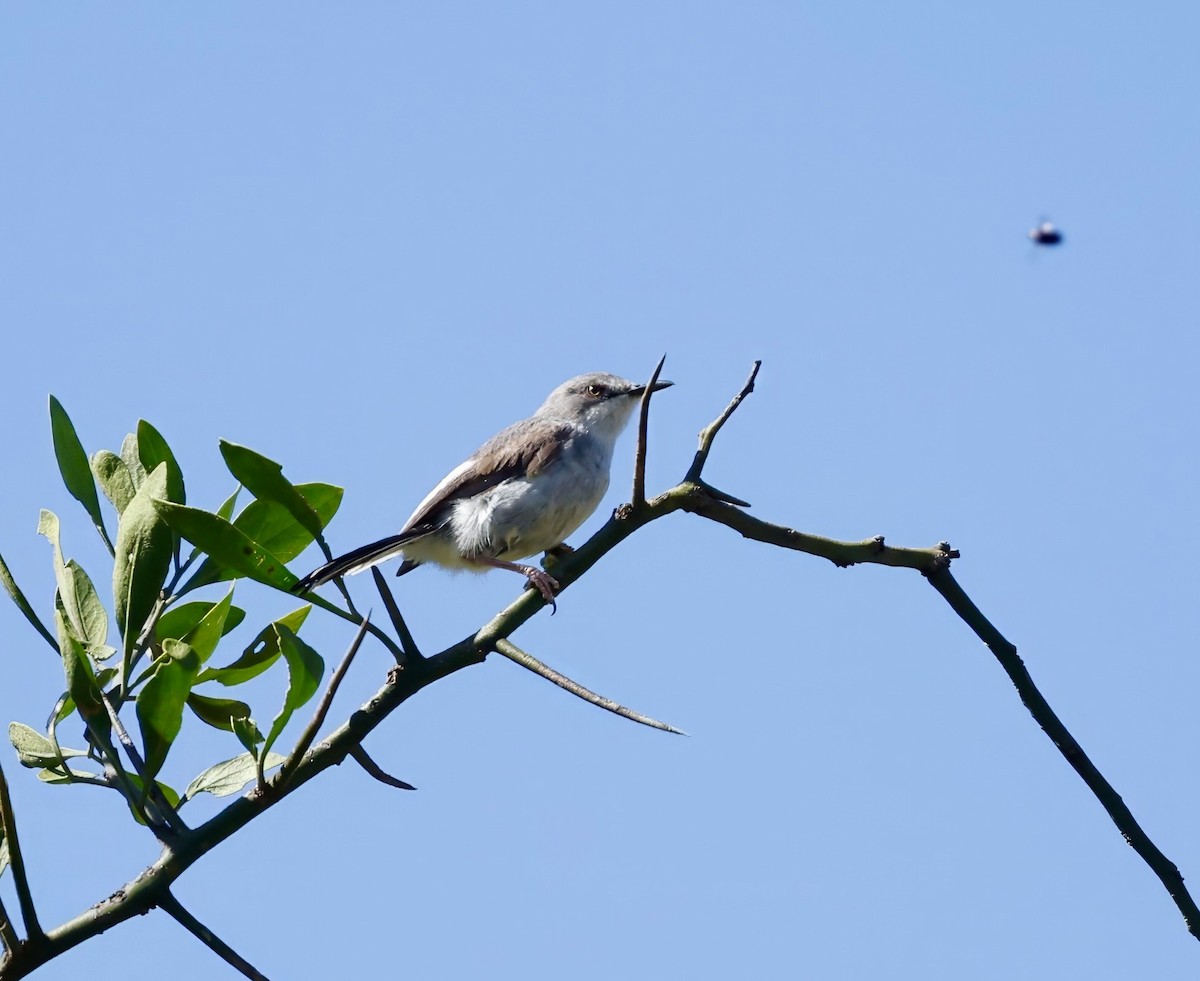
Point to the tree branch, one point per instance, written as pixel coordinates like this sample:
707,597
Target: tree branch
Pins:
692,495
638,497
389,603
1004,652
8,936
531,663
16,860
709,432
170,905
361,757
150,790
318,719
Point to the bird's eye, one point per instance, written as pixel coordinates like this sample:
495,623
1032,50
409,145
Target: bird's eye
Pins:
595,391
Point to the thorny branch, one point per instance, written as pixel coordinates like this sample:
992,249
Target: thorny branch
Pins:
8,834
152,887
174,908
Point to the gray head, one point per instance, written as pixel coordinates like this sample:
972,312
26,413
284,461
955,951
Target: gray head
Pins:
598,401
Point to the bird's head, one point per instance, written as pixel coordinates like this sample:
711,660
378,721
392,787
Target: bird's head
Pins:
600,402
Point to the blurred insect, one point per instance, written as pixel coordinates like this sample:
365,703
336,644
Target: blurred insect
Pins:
1046,233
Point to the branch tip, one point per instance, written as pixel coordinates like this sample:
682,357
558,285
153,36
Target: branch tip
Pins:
176,910
638,498
288,769
407,644
709,432
531,663
364,760
8,833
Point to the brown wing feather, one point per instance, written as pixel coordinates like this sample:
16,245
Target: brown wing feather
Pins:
526,447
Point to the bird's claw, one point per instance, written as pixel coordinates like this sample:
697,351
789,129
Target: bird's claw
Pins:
544,584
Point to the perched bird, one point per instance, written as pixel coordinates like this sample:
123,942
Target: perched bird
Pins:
1046,233
522,492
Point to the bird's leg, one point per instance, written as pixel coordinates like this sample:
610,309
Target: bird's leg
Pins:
541,581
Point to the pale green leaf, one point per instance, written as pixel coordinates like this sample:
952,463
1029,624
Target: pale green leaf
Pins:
113,476
230,776
143,559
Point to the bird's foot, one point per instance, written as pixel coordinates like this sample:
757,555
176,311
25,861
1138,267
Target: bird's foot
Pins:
544,583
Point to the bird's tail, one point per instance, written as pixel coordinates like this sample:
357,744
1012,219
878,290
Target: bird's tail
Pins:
356,561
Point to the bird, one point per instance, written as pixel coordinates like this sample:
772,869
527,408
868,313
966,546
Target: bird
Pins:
522,492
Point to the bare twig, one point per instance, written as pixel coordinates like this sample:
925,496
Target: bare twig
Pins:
355,618
531,663
16,860
1004,652
374,769
150,788
709,432
173,907
389,603
638,499
8,936
147,890
318,719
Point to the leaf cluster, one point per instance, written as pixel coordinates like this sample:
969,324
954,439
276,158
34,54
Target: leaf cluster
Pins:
162,661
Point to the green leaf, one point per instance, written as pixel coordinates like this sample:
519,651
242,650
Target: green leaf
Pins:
93,617
153,450
56,775
226,545
81,681
305,668
161,699
248,734
259,656
34,749
230,776
264,479
85,613
274,529
114,479
18,597
133,461
143,559
180,620
219,713
210,628
73,464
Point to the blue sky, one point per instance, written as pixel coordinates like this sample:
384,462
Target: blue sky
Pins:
362,240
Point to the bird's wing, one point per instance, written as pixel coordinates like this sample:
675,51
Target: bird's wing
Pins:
524,448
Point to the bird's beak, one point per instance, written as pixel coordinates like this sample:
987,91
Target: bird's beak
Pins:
658,387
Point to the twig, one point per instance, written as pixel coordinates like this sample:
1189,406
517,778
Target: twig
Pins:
389,602
170,905
311,597
531,663
8,822
638,499
1004,652
318,719
709,432
374,769
150,787
8,936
